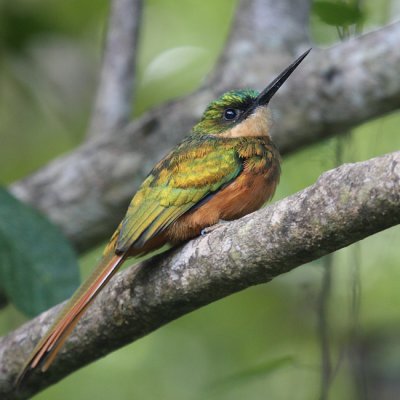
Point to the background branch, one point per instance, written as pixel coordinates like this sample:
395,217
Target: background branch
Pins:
113,103
345,205
87,191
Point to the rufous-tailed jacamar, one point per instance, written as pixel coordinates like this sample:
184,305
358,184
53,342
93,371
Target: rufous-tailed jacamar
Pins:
226,168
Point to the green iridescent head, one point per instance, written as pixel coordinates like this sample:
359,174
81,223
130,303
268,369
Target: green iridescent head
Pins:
236,106
225,112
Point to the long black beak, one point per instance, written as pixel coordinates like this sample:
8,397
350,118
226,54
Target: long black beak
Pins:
265,96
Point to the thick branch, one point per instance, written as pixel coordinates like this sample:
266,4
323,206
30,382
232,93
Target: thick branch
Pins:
265,35
113,104
343,206
87,191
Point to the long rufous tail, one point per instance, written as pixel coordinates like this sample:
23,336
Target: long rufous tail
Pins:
48,347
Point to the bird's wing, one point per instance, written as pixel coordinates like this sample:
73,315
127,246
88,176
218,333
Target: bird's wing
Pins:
177,184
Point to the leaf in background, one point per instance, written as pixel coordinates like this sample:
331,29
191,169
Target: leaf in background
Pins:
38,268
337,13
19,23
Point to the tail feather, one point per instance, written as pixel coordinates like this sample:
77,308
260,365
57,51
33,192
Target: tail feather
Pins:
49,346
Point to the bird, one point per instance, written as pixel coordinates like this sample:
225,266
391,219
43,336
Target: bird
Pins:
227,167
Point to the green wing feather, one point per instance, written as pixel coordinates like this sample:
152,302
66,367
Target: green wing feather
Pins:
185,177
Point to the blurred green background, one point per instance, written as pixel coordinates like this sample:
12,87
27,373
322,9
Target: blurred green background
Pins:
263,342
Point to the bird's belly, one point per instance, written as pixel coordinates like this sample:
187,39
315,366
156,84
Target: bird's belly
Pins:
246,194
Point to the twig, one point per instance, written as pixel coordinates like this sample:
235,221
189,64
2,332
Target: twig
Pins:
323,326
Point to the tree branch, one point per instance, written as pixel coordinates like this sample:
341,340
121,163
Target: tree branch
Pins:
113,104
345,205
87,191
252,48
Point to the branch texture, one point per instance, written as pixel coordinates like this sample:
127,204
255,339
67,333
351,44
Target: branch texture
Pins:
345,205
87,191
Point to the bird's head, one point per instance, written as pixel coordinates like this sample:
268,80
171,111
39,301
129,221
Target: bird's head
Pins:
240,113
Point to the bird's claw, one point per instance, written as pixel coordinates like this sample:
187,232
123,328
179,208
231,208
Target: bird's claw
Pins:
211,228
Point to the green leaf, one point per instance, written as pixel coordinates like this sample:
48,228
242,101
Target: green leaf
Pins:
337,13
38,268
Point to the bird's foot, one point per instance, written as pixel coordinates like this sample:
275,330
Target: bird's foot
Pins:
211,228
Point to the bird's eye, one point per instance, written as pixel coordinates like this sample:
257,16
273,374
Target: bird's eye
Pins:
230,114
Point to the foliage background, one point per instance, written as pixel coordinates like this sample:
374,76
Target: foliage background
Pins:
265,340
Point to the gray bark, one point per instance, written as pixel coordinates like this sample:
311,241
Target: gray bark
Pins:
113,103
345,205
